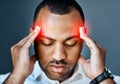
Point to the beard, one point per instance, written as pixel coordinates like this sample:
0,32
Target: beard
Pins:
61,74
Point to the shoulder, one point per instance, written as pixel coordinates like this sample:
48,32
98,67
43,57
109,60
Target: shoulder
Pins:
31,78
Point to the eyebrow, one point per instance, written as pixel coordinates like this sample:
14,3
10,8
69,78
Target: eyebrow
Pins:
71,37
46,37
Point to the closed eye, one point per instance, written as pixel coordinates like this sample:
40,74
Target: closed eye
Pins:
70,43
47,42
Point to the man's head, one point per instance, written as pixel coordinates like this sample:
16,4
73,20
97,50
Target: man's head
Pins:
60,7
58,45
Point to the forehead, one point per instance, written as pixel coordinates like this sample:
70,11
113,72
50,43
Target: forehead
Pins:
55,24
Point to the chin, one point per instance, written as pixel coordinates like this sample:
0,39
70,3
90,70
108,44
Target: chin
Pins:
58,77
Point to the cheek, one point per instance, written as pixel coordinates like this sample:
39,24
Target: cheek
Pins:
74,54
42,55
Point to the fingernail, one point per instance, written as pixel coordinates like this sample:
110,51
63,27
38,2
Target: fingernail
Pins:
81,30
37,29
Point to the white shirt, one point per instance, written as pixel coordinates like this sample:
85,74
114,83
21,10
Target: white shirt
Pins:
39,77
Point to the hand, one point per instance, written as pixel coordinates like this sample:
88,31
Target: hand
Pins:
23,64
96,64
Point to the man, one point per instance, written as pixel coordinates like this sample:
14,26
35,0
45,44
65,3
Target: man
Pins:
58,34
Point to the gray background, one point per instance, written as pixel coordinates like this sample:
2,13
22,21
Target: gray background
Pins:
102,17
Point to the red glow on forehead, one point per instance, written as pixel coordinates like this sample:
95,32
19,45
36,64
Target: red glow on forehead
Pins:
79,24
74,30
76,26
37,23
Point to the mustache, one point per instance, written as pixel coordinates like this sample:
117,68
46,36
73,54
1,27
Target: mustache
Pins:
62,62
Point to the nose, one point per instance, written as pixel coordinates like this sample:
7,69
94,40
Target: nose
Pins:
59,53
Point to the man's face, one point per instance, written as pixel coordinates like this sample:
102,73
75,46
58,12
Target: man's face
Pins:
58,46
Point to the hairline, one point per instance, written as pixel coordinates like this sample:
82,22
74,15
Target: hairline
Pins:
47,8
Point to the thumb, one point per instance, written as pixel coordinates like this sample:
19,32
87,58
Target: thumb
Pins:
82,61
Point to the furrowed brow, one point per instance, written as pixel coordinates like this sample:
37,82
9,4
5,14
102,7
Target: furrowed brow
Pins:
46,37
73,36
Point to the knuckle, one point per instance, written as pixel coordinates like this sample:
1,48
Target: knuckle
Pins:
16,48
19,48
12,48
103,51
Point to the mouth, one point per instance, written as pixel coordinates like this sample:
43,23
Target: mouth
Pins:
58,68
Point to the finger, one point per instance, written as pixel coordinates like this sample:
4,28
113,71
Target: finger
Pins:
84,63
34,32
90,43
23,41
96,51
82,60
30,39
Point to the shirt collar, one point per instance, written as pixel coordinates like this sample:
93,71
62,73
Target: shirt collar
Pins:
37,71
78,73
80,70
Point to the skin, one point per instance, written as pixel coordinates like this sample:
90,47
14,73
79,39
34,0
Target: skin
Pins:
60,39
61,57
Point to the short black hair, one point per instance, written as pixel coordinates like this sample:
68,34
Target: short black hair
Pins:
59,7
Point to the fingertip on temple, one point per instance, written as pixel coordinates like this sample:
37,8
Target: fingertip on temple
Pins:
37,28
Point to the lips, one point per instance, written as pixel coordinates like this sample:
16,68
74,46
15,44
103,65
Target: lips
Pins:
58,68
